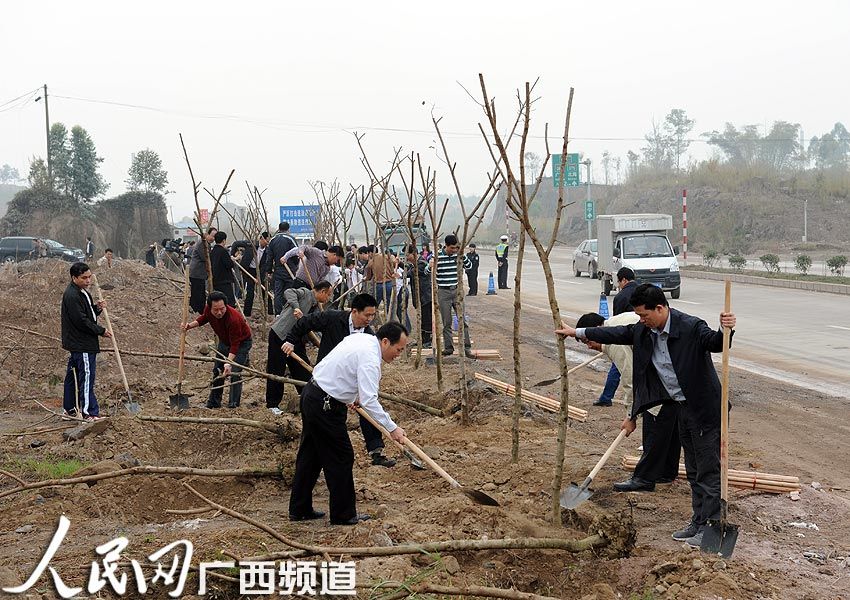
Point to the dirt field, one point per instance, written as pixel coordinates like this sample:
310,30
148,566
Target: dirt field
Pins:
776,427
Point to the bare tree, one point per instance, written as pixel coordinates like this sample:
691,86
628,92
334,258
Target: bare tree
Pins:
472,219
519,202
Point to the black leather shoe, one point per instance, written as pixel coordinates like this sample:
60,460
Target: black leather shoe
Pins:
601,403
447,352
316,514
353,520
380,460
635,485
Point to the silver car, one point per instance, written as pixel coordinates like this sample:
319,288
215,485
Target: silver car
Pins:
585,259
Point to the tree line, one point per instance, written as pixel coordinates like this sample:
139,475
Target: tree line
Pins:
782,149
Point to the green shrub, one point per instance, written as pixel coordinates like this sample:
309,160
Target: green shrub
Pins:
736,261
836,264
803,263
770,262
710,257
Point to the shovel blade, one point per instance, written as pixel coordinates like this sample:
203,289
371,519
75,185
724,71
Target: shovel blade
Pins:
546,382
414,460
479,497
719,537
133,408
180,401
575,495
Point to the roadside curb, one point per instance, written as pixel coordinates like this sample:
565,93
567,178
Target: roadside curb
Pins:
814,286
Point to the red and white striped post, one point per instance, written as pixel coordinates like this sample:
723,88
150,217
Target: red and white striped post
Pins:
685,226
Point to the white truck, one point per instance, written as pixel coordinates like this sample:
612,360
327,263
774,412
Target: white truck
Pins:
640,243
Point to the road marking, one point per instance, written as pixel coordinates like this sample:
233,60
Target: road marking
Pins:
688,302
839,327
570,282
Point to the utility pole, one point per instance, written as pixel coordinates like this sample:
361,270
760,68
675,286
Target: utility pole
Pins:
589,222
805,220
47,134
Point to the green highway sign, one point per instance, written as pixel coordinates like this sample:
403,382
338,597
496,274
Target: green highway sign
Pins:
571,170
589,210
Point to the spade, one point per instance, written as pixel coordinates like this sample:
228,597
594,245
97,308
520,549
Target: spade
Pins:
576,494
181,400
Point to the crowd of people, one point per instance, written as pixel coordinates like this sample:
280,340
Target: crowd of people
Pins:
660,356
310,290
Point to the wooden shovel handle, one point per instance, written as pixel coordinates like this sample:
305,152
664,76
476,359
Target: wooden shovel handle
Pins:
585,363
413,447
724,401
607,454
114,339
307,271
182,362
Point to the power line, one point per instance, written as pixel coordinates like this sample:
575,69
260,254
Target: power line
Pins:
19,102
300,127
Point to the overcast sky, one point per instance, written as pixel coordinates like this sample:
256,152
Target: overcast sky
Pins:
275,90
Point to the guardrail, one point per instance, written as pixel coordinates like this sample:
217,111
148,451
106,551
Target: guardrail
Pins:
814,286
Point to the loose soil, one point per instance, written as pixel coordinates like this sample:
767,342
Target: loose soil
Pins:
776,427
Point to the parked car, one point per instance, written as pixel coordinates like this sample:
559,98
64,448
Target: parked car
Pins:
585,259
24,247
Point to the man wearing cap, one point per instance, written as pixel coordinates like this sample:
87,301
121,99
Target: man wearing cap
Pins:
472,271
502,259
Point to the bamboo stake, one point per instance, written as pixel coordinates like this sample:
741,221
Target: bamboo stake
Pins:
741,479
549,404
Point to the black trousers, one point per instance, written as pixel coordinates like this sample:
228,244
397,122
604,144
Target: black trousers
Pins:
197,294
217,391
248,303
702,465
427,322
503,275
371,435
472,278
277,364
281,282
226,288
325,446
661,445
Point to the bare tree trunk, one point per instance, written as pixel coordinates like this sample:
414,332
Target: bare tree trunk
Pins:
518,384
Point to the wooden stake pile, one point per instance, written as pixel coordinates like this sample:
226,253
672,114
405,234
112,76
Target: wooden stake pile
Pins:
745,480
479,354
544,402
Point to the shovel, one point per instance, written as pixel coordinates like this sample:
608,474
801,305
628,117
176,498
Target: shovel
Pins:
719,537
132,407
181,400
576,494
476,496
570,372
414,462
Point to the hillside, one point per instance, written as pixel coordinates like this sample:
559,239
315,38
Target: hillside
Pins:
756,215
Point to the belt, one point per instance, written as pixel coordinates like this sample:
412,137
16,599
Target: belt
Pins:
326,397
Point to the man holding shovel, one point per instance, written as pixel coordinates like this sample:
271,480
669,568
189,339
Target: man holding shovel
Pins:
234,341
336,325
659,462
348,376
80,332
299,302
672,363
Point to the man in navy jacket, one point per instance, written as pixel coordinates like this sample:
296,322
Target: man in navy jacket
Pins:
672,363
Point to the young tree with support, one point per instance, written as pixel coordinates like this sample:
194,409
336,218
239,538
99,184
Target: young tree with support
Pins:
518,202
471,221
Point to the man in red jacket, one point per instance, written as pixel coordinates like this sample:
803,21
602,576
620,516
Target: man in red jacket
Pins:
234,341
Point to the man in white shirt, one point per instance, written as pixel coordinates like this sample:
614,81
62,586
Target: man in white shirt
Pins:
348,375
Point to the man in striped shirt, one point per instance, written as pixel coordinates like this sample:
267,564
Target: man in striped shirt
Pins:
447,282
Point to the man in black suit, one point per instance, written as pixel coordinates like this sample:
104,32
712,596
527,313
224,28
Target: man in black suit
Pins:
279,245
336,325
253,261
672,363
222,269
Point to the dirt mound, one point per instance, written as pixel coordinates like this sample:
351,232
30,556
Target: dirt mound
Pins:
408,506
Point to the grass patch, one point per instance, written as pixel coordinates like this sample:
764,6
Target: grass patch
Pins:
769,275
48,468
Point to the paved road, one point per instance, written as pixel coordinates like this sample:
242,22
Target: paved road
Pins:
794,335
